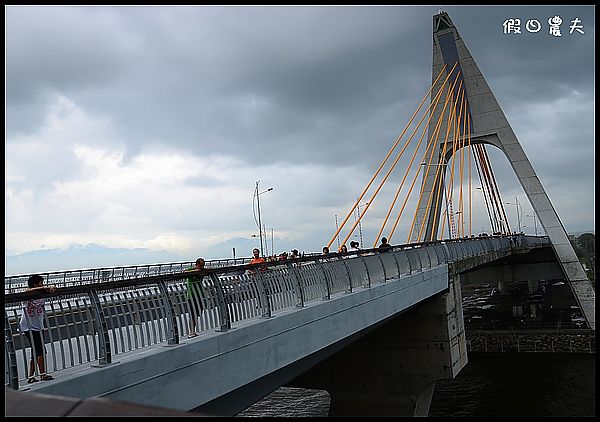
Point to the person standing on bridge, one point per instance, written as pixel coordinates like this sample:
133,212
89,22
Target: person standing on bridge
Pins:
32,324
326,254
384,244
256,259
194,294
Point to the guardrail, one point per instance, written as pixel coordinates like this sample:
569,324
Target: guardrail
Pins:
90,322
18,283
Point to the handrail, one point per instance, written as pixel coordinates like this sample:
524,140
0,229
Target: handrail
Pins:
16,283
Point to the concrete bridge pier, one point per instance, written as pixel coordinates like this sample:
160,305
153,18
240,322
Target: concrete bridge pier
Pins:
392,370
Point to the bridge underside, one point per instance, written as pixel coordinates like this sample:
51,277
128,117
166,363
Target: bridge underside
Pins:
408,352
538,264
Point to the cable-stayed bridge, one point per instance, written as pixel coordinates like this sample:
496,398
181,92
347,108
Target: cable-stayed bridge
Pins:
386,324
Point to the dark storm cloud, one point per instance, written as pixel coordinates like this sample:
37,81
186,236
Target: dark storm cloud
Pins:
162,103
251,79
61,49
234,80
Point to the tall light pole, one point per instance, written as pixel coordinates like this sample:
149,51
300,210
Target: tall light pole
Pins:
534,222
360,235
458,214
337,230
517,205
259,223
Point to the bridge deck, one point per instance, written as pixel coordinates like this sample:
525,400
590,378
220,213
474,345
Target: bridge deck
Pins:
298,310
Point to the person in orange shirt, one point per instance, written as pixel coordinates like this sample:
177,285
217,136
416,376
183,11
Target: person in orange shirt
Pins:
256,259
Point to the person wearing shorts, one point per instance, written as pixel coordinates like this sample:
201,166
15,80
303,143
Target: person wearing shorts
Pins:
31,326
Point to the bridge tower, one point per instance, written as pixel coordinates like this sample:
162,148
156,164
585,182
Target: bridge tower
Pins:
488,125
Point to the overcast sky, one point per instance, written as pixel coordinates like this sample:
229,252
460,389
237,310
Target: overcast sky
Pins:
148,127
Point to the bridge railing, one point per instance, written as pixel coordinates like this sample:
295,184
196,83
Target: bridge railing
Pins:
18,283
91,322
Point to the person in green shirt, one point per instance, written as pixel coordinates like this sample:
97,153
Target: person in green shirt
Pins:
193,296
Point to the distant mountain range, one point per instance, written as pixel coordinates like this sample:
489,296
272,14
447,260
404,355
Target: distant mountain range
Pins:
84,256
95,256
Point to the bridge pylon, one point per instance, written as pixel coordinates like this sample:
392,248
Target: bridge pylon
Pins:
489,125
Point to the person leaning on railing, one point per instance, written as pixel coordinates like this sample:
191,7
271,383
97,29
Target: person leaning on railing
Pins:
32,324
256,259
193,296
384,246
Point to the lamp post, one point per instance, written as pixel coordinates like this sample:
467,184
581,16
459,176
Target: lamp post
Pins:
517,207
337,230
259,223
534,222
359,222
456,228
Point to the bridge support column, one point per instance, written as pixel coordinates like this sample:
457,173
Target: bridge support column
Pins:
392,370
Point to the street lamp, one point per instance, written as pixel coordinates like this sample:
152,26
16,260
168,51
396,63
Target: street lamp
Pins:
534,222
259,223
518,206
337,230
359,223
456,228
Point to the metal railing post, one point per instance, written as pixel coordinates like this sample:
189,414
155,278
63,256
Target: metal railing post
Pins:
326,279
13,371
104,352
348,274
298,285
169,312
397,263
264,295
364,261
224,317
383,267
